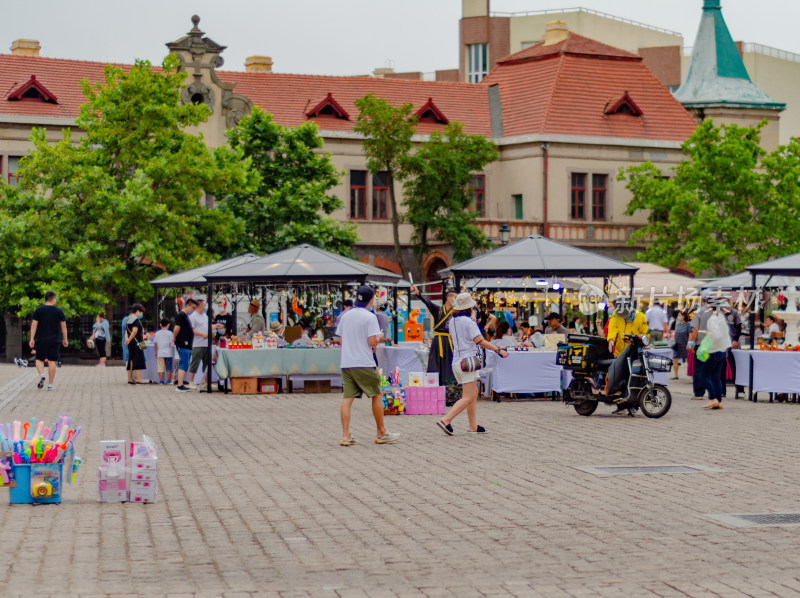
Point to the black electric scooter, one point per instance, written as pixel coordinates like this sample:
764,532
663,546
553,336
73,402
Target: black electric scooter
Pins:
626,381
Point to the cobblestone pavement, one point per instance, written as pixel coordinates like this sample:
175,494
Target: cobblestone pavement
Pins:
257,498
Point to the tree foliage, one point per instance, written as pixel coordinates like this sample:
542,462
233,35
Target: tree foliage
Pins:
292,202
438,196
387,144
99,216
728,205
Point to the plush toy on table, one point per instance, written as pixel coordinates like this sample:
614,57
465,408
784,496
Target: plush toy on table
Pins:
413,329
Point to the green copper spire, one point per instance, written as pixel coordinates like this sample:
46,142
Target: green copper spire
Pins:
717,76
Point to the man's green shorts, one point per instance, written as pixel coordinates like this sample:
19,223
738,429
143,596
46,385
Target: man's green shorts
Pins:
356,381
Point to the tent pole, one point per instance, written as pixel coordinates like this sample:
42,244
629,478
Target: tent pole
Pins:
394,314
752,332
561,304
210,335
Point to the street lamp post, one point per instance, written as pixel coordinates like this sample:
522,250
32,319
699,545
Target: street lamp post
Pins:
505,232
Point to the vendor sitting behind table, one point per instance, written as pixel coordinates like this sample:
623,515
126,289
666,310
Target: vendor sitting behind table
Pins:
554,324
504,338
278,329
524,332
256,323
305,339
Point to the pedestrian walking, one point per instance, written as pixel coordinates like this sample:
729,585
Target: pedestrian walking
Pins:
48,334
134,335
123,325
201,343
101,333
466,339
680,350
720,341
734,319
164,347
360,333
656,321
699,323
183,337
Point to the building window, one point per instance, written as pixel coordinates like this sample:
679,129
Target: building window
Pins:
599,182
358,194
13,166
517,206
578,197
477,62
380,196
477,185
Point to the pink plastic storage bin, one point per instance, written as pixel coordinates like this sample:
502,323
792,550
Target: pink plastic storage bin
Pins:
424,400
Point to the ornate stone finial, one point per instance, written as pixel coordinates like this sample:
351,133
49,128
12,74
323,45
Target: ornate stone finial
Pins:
195,22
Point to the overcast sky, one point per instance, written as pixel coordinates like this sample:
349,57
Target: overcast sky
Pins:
338,38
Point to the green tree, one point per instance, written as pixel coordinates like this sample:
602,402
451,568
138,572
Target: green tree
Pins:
387,144
99,216
437,192
292,202
728,205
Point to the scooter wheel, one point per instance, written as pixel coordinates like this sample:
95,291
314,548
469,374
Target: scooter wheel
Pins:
655,402
585,407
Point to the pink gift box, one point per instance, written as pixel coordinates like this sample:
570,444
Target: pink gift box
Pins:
425,400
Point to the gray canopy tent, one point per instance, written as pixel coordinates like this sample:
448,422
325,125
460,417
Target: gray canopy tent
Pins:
784,266
540,257
303,265
744,281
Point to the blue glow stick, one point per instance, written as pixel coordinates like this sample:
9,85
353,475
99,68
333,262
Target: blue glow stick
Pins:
30,430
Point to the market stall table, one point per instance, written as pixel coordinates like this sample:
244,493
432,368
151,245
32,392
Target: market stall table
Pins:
255,363
529,372
773,371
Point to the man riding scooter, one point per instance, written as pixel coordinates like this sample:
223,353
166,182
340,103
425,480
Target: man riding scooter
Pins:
624,321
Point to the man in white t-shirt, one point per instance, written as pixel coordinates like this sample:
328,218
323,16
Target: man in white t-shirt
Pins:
202,342
656,321
360,334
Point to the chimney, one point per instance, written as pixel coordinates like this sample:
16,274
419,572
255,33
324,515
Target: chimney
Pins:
25,47
382,71
555,32
258,64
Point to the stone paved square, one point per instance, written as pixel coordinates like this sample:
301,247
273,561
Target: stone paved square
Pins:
256,498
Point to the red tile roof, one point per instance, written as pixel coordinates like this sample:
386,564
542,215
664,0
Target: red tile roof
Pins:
289,97
575,44
61,77
561,89
566,88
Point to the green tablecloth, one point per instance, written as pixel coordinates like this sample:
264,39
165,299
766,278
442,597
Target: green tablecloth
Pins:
238,363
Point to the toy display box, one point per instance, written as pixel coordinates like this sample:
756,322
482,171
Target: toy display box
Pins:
136,482
394,401
37,483
425,400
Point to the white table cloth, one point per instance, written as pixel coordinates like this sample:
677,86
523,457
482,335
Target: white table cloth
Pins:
537,371
525,372
773,371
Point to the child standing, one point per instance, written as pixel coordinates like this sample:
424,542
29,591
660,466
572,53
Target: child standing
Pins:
165,349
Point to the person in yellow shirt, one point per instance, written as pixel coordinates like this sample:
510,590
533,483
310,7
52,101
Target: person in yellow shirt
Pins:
625,320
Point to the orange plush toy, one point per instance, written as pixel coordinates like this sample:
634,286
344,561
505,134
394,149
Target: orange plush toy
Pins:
413,329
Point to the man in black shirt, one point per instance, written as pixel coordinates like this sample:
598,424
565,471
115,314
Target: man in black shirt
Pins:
223,322
48,332
184,337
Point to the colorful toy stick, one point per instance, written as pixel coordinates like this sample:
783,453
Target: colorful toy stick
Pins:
75,435
63,428
26,426
76,465
31,428
64,444
17,430
39,427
